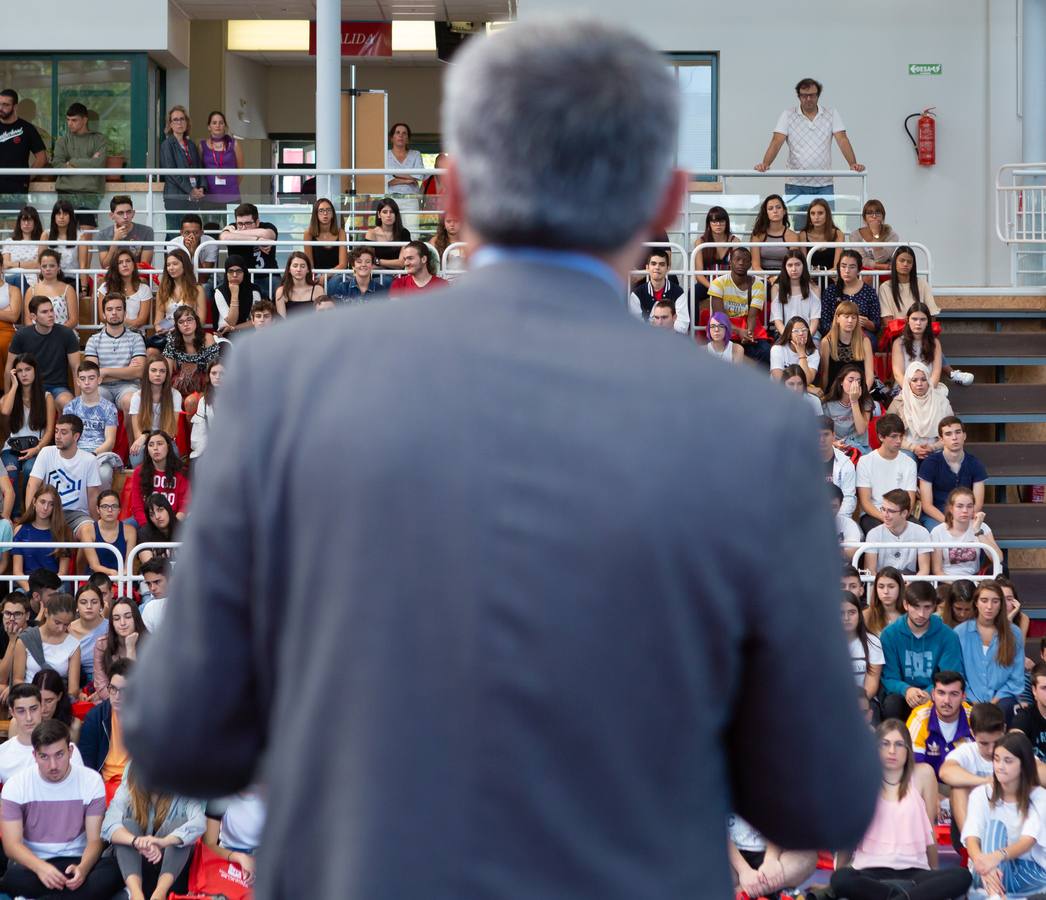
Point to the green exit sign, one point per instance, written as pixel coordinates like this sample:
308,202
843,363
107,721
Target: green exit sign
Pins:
924,68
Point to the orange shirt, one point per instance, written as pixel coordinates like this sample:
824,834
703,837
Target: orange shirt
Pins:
116,758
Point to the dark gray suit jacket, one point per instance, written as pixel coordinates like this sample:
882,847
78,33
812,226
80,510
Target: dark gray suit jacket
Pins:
494,638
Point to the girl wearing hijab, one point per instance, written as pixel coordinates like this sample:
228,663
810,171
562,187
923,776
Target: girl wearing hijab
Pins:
921,405
235,296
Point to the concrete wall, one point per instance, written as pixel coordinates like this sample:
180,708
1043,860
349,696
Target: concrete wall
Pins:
863,61
245,102
414,93
60,26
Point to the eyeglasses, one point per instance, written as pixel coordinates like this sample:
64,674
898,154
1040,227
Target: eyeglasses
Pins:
108,507
19,614
177,118
115,691
808,95
873,214
713,326
234,271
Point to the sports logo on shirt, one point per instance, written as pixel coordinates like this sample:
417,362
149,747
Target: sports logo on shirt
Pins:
68,488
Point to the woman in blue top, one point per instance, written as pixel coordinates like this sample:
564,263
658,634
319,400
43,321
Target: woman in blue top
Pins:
107,530
992,652
44,523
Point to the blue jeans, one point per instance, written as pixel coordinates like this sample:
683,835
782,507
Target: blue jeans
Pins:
793,191
16,470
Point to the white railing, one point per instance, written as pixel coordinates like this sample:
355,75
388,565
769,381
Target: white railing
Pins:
868,577
1020,219
130,577
11,579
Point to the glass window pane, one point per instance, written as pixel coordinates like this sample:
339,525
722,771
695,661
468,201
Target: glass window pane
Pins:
32,79
104,87
695,126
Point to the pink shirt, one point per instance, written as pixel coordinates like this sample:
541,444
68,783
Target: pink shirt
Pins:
898,836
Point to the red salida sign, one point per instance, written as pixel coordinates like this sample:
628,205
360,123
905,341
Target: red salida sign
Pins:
360,38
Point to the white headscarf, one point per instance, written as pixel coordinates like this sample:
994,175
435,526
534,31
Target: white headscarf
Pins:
921,414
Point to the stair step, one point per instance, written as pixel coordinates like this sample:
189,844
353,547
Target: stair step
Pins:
999,349
999,402
1031,587
1012,462
1017,524
988,305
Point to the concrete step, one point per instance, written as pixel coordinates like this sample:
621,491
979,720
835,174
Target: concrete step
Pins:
1031,587
999,402
999,349
1012,462
1017,524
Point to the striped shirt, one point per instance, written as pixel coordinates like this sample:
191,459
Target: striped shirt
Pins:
53,815
115,352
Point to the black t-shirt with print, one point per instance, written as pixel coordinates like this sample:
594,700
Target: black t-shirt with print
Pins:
19,140
1030,721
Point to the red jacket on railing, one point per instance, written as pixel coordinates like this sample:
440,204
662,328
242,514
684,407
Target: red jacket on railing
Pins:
179,496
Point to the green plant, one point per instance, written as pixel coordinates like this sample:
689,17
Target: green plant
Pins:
117,137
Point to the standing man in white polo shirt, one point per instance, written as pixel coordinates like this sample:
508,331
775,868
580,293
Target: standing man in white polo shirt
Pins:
808,129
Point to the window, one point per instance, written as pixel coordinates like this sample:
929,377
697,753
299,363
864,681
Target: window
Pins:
697,76
113,87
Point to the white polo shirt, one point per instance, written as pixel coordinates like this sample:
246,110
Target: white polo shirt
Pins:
809,142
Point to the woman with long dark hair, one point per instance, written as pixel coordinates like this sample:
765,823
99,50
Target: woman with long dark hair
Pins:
189,350
849,405
123,277
1003,827
178,287
866,652
794,379
899,845
905,287
159,528
992,652
88,626
122,640
958,603
887,604
65,230
1013,609
162,471
298,288
50,284
106,529
793,294
30,413
771,234
820,226
155,406
388,227
917,343
324,225
713,259
850,287
795,347
449,231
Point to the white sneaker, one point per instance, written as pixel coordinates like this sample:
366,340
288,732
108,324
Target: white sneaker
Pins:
961,377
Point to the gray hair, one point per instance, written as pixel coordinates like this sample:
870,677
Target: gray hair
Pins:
564,132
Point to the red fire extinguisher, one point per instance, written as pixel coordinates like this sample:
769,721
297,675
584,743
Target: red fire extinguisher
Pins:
926,145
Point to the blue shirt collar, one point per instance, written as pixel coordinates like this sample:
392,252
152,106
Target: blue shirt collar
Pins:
566,259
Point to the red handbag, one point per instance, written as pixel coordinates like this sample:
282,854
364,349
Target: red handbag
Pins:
210,875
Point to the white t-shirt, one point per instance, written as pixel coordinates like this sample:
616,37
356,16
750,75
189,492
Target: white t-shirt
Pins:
15,756
70,477
860,664
881,475
29,797
136,405
134,302
744,836
969,757
980,812
56,655
959,560
809,308
781,356
153,612
903,559
243,821
847,529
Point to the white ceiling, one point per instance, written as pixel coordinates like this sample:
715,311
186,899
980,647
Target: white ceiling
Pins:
355,10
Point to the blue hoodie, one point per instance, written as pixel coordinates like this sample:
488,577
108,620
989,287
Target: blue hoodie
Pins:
911,661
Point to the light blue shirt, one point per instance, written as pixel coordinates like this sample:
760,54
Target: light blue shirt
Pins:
985,678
